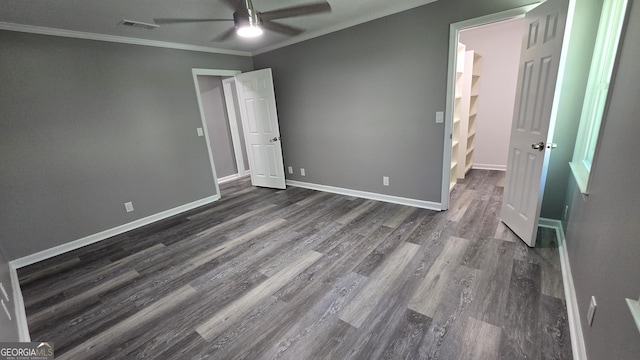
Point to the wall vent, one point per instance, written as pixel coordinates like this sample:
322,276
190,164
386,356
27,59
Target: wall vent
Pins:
138,24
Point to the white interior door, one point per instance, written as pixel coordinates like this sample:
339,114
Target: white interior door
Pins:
528,154
261,131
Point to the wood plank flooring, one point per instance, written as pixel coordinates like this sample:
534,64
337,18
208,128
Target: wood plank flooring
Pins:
300,274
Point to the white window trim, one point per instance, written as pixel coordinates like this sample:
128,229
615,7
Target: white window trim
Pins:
595,101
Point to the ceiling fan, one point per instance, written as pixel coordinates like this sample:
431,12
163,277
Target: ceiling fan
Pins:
250,23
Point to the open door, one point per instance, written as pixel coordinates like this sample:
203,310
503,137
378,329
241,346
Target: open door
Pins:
260,122
532,119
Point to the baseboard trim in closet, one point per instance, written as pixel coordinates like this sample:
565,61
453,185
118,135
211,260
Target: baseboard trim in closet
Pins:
489,167
232,177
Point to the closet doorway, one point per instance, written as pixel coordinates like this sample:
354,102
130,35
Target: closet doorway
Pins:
483,80
222,126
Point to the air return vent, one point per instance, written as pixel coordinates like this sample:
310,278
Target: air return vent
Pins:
138,24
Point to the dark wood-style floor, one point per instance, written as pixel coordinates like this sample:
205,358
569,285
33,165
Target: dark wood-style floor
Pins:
300,274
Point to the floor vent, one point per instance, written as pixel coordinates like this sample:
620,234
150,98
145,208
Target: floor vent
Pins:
138,24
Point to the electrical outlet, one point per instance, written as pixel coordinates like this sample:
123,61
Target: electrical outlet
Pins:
128,206
385,180
200,132
592,310
302,172
4,292
290,169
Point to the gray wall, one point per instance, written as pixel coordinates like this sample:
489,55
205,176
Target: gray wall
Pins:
499,45
88,125
8,328
359,104
572,91
603,228
215,113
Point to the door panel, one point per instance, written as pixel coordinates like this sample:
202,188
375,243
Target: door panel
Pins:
272,160
262,133
539,64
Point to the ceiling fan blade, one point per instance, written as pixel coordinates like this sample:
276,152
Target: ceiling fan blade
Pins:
308,9
182,20
283,29
225,35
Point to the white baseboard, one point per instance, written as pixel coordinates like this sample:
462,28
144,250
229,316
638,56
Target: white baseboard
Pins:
368,195
225,179
76,244
21,316
575,328
18,303
489,167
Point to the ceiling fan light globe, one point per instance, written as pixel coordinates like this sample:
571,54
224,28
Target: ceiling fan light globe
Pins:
249,30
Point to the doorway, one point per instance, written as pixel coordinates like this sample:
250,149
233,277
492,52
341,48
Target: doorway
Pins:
222,126
490,150
542,65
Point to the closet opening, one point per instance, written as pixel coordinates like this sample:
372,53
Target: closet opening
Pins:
483,75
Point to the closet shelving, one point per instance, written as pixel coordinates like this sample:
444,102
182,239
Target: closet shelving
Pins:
474,94
467,91
457,108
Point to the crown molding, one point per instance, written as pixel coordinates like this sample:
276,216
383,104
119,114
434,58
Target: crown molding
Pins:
400,7
116,39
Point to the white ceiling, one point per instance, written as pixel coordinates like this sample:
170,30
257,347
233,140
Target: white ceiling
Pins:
103,17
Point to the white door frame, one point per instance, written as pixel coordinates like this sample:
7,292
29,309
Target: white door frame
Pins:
454,31
210,72
227,86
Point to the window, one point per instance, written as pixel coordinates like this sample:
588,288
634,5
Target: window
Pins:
604,55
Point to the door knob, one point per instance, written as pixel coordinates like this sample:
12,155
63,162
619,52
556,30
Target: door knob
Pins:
538,146
274,139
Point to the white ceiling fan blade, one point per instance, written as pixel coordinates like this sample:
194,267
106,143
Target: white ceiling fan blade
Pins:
225,35
280,28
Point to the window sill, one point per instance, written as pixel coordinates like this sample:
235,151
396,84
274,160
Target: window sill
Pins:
581,175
